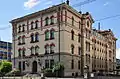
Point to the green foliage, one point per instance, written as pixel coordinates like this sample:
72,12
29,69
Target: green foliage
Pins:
58,67
5,67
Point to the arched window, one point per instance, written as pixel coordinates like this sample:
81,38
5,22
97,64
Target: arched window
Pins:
46,49
37,37
19,28
23,52
52,33
46,21
32,37
52,46
52,20
23,39
72,21
72,49
23,27
32,50
19,40
79,38
36,24
47,35
19,52
36,49
72,35
32,25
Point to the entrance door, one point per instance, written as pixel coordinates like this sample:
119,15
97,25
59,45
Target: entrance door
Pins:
34,66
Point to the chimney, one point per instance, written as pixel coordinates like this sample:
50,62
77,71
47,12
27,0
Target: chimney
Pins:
99,26
67,2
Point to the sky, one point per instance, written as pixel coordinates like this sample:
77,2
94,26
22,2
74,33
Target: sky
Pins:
99,9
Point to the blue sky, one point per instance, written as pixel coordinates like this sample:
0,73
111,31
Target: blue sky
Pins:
10,9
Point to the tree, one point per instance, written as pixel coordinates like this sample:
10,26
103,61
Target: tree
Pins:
5,67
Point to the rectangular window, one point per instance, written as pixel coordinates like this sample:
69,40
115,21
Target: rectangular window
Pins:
19,65
78,64
79,50
87,46
51,63
23,65
46,63
72,64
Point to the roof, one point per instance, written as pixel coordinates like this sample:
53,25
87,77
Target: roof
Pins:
86,15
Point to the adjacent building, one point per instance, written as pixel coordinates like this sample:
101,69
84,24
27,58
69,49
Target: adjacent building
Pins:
62,34
5,50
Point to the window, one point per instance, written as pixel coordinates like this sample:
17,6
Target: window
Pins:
52,46
32,50
87,46
78,64
51,63
36,24
72,64
19,40
52,20
46,49
79,50
23,27
23,65
88,24
19,65
32,38
36,49
46,21
32,25
37,37
23,39
46,35
19,52
72,35
46,63
19,28
52,34
72,49
79,38
72,21
23,52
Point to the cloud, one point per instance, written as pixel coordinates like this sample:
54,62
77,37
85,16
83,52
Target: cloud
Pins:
31,3
105,4
118,53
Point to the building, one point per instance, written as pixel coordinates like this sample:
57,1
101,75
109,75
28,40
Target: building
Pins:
5,50
60,33
117,63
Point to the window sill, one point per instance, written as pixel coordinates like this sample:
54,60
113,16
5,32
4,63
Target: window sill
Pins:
52,38
21,43
46,39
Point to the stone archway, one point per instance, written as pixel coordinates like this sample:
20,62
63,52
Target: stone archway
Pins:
34,66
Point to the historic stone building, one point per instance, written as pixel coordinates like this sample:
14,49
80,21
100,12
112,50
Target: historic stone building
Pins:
60,33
